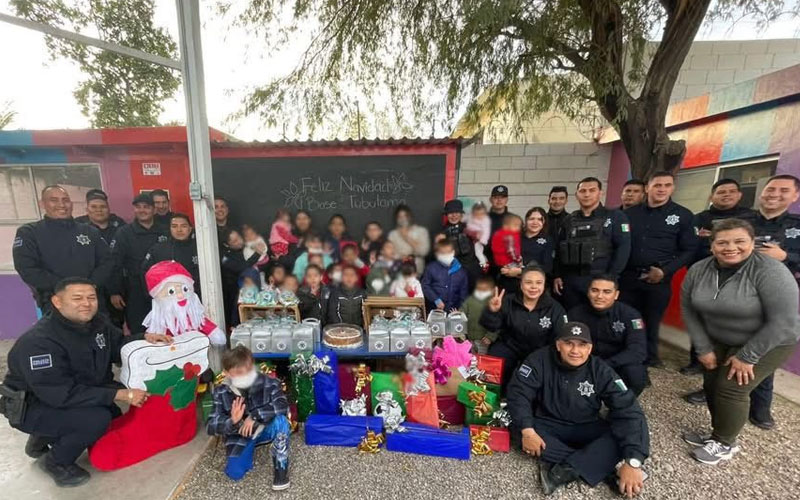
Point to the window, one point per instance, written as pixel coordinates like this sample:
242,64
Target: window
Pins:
20,186
694,185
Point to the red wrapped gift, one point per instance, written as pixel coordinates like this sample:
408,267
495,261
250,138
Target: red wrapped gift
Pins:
499,439
492,367
450,410
423,407
354,380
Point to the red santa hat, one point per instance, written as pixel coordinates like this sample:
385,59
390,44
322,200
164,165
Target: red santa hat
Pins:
164,272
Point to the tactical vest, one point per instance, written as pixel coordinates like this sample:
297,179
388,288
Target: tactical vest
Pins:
584,242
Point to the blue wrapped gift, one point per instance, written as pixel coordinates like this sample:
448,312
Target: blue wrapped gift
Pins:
424,440
326,384
338,430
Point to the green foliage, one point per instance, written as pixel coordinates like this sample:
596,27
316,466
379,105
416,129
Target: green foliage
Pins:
164,380
117,91
524,57
6,115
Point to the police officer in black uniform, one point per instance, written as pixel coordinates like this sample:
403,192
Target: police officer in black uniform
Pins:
60,388
555,397
593,240
777,235
498,207
180,247
662,241
465,249
57,247
161,204
617,330
99,215
557,211
129,249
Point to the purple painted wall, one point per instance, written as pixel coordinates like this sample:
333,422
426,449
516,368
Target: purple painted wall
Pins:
17,309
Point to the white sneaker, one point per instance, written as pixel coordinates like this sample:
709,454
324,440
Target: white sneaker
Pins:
700,439
714,451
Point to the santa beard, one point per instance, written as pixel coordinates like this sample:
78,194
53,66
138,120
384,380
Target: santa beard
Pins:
167,316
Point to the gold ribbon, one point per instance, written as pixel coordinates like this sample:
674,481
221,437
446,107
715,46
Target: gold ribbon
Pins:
479,439
481,407
370,443
443,424
362,377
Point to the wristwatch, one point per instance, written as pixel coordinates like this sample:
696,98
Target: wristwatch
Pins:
634,462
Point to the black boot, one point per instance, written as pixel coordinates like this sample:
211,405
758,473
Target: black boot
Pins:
280,479
555,476
765,421
37,446
63,475
692,369
696,397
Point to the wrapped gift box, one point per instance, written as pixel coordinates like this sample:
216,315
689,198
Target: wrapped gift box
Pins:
423,407
491,399
384,381
423,440
451,387
492,367
450,410
348,380
499,439
338,430
471,419
326,385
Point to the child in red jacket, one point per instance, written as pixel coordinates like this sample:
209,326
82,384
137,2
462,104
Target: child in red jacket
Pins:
506,242
350,258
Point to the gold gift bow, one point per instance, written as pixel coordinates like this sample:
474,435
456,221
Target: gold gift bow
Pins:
479,439
362,377
371,443
481,407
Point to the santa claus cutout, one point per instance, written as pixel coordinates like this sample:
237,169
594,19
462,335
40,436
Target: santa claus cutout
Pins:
176,308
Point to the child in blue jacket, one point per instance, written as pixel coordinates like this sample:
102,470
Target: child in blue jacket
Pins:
444,282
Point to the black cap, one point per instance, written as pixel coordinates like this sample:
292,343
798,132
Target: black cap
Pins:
500,190
575,330
143,198
558,189
96,194
454,207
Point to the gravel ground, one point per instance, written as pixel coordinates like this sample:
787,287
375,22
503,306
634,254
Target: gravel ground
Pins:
768,467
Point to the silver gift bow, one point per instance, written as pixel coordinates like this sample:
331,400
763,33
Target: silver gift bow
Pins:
416,366
356,407
389,410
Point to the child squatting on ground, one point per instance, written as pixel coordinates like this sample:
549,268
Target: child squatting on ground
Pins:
250,409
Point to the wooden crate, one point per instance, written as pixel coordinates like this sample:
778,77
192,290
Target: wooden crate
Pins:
250,311
373,305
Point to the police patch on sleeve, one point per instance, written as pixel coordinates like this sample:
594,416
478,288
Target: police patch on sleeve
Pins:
626,228
18,242
637,323
621,385
524,370
41,361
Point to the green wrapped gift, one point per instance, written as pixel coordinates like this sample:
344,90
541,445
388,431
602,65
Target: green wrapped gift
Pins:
206,404
302,387
382,381
478,400
495,388
471,419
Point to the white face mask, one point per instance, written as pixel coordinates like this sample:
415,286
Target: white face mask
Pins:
336,277
482,294
244,381
445,258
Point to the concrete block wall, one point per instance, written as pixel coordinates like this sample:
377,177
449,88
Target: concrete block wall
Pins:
529,171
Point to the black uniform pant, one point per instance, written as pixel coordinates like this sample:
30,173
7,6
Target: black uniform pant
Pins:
634,376
574,291
70,430
512,357
651,300
589,448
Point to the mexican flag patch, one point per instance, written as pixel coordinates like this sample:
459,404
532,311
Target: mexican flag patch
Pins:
637,324
621,385
626,228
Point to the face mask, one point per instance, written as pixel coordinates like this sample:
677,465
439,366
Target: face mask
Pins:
244,381
446,258
403,223
336,276
315,251
482,294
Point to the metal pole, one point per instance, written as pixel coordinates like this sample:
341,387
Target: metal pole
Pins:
201,188
90,41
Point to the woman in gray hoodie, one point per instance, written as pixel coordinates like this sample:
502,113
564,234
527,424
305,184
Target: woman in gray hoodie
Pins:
740,308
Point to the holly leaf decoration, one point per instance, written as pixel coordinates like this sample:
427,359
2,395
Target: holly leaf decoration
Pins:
164,380
183,393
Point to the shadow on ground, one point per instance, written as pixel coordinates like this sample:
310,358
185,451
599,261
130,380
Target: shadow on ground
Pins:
768,466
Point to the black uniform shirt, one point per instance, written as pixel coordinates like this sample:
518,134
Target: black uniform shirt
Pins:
544,387
50,250
706,220
616,232
183,252
522,330
554,221
617,333
783,229
129,248
539,250
497,219
663,237
114,223
65,364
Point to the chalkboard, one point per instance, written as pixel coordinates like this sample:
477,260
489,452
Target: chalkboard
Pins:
361,188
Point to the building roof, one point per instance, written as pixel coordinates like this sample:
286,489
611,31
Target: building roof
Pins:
102,136
401,141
